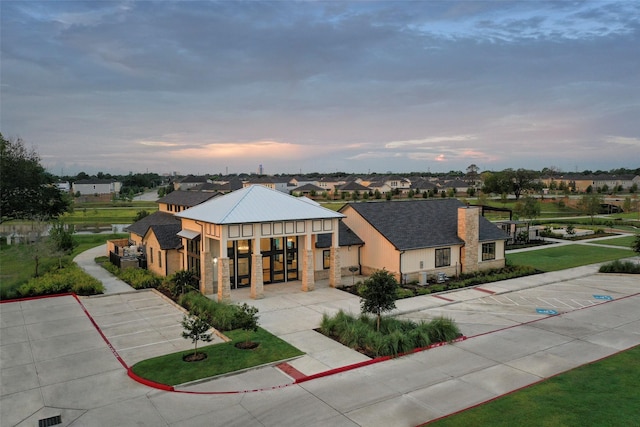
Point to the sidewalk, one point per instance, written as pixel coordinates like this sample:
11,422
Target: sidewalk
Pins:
86,261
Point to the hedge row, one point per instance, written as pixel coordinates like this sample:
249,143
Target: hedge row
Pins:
137,278
68,279
617,266
223,317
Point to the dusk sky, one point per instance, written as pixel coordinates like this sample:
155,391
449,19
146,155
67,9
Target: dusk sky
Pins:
209,87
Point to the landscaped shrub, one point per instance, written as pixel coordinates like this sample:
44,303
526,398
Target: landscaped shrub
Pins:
139,278
69,279
617,266
395,336
223,317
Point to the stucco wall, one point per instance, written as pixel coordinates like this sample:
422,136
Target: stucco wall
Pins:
377,253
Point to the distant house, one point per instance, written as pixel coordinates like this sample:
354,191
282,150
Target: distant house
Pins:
418,238
329,183
307,190
177,201
277,183
96,186
189,182
64,186
351,187
580,182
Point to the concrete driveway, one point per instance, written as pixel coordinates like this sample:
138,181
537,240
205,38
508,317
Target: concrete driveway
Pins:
67,357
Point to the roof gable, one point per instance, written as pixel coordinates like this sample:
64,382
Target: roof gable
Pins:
167,235
157,218
256,203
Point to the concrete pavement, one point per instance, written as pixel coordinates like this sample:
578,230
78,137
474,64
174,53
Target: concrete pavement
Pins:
66,356
86,261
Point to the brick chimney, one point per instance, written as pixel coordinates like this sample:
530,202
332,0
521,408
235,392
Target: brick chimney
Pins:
469,231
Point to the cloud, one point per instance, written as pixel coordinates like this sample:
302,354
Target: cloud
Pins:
321,85
428,141
623,140
158,143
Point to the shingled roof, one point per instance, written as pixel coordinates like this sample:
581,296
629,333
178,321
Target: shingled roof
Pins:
187,198
167,235
157,218
346,237
419,224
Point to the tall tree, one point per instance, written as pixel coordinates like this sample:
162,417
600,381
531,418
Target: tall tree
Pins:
590,203
472,173
511,181
26,189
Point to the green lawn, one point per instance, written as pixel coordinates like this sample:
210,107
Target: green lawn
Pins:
221,359
625,241
104,215
566,256
603,393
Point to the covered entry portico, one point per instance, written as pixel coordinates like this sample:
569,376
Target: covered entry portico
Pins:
256,236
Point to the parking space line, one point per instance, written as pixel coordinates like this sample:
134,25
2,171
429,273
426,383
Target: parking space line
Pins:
562,302
547,302
150,344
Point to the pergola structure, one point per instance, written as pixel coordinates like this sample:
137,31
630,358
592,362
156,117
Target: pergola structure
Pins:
256,236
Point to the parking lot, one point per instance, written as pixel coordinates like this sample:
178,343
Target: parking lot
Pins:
67,357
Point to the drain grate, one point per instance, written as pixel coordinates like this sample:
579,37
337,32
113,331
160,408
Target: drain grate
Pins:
51,421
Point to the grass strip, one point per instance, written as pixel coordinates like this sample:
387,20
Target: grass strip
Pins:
566,256
602,393
222,358
625,241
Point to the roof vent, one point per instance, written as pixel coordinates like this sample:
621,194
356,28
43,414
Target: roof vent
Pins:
51,421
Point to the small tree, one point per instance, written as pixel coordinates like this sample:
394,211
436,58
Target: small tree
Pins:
196,330
247,320
378,294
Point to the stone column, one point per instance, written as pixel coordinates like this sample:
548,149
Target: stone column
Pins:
469,231
257,282
206,281
224,282
308,279
335,270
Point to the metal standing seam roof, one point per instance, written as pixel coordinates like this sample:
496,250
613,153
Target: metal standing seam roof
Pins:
256,203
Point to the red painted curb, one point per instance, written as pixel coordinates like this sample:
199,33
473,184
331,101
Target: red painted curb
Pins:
371,362
485,290
290,370
147,382
446,299
36,297
95,325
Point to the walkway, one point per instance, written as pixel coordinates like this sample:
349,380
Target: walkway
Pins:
86,261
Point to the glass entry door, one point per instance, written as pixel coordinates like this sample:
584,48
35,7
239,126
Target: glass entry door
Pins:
239,253
279,259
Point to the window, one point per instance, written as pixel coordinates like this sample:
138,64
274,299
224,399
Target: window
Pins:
160,259
443,257
326,259
151,255
488,251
